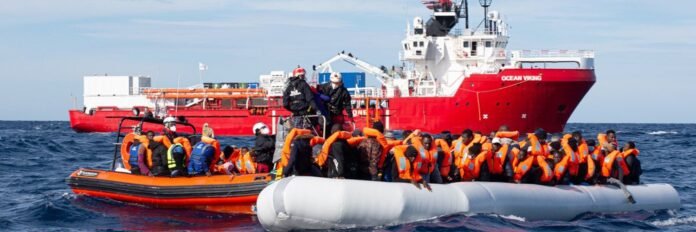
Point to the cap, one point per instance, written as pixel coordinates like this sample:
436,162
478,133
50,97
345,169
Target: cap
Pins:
496,140
389,135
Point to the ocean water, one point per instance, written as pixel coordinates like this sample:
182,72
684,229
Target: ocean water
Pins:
36,157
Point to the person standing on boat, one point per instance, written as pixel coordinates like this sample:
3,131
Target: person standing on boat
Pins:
298,98
338,100
264,146
169,128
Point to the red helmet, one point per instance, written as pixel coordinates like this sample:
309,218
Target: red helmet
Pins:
298,71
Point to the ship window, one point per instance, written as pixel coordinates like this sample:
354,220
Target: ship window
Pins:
488,44
405,46
415,43
421,43
466,44
473,48
418,53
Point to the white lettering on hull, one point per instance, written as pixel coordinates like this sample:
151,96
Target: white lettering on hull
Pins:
521,78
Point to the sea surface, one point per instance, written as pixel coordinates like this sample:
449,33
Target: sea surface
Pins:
36,157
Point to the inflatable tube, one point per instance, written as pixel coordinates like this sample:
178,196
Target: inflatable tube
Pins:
320,203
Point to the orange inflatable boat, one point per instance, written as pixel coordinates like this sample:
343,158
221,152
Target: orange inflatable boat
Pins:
218,193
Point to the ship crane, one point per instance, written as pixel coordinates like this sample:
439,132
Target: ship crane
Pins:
381,76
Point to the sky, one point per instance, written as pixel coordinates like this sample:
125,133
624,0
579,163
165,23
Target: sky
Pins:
644,49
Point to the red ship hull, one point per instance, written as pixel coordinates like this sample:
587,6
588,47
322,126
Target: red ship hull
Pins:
522,99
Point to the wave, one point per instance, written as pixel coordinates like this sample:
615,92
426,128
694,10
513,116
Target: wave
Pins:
662,132
675,221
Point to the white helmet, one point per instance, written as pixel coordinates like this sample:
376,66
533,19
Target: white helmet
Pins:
170,123
261,127
336,77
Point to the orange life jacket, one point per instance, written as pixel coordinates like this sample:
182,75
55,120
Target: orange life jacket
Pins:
427,158
390,145
324,154
525,165
514,135
573,162
608,165
355,141
246,165
628,152
446,164
537,156
285,152
234,159
406,169
459,149
164,140
187,147
470,167
499,157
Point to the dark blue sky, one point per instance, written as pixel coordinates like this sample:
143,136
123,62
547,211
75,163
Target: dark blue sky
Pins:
644,49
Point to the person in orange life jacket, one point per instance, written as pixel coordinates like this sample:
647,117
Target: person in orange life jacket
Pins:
227,163
503,156
535,168
459,148
369,152
445,159
387,160
430,152
339,99
596,158
406,166
159,158
301,162
264,147
630,156
614,165
608,137
298,98
561,160
335,164
143,159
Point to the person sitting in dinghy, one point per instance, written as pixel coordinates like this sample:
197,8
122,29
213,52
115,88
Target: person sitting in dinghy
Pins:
630,156
406,166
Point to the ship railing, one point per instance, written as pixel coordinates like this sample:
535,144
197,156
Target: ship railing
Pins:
552,53
364,92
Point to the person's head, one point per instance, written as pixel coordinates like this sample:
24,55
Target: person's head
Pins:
503,128
611,136
610,147
474,149
541,135
577,135
170,123
447,136
411,153
556,146
497,144
629,145
378,125
336,128
227,151
467,135
150,135
557,156
299,72
245,150
389,135
427,141
406,133
492,134
573,144
336,79
261,129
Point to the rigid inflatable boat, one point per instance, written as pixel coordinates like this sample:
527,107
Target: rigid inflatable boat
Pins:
218,193
320,203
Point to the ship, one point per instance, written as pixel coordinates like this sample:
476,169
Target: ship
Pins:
451,77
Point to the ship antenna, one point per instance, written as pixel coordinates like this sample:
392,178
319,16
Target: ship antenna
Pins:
485,4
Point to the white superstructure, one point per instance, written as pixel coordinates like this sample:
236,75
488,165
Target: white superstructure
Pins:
115,91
